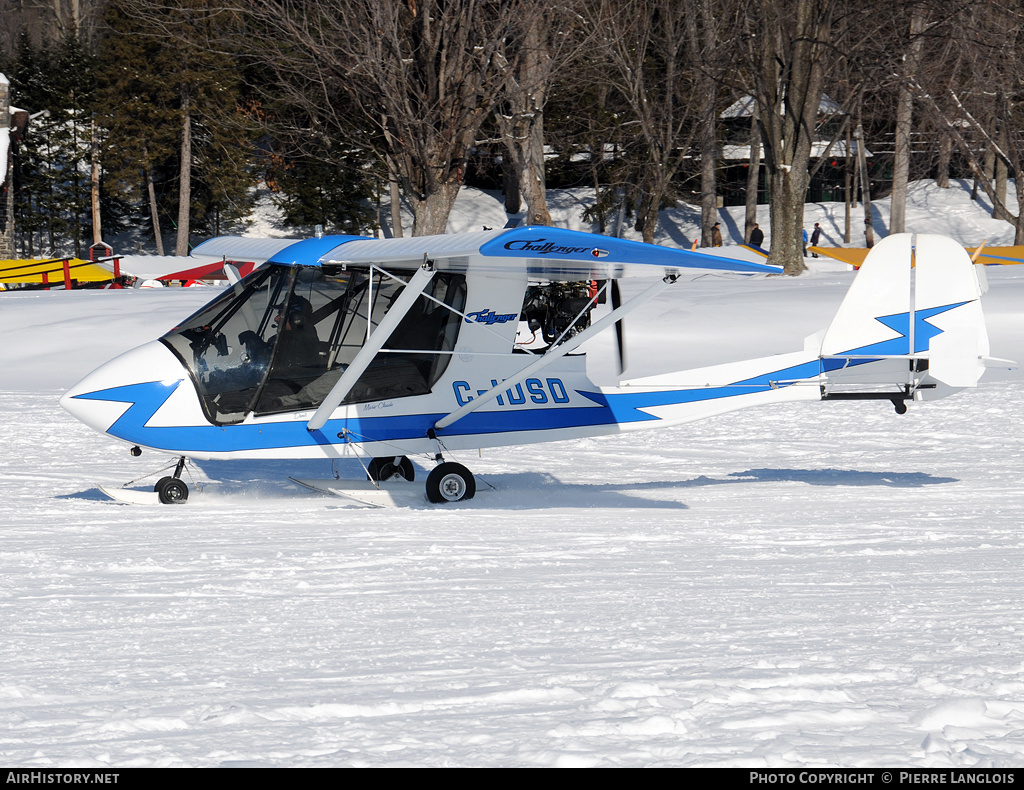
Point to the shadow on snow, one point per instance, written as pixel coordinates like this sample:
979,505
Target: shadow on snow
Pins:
507,489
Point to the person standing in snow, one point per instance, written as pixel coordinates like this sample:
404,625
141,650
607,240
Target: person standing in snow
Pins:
716,236
756,236
815,238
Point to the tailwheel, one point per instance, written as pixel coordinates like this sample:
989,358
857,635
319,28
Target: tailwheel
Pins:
395,467
172,491
450,482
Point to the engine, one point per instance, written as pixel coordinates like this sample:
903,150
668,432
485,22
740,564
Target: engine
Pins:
556,308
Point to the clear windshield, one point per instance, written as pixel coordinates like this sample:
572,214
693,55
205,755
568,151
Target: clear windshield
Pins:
280,339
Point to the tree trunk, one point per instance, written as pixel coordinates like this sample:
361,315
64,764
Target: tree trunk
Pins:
865,188
185,175
153,213
395,195
534,73
433,210
94,155
999,180
945,156
394,186
787,218
510,182
76,202
901,161
850,185
708,160
650,216
753,176
989,169
707,90
533,183
147,173
1018,221
789,90
904,126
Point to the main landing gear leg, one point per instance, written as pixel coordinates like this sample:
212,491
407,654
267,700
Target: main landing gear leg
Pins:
172,490
449,481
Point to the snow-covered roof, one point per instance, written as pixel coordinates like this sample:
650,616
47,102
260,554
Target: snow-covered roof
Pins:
744,108
818,148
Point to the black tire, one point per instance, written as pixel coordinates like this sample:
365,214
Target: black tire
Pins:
172,491
161,481
450,482
388,468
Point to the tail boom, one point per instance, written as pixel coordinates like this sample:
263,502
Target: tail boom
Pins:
910,328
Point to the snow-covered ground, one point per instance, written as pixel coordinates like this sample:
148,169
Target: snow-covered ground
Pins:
811,585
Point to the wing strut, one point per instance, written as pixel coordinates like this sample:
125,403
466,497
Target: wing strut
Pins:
555,353
373,344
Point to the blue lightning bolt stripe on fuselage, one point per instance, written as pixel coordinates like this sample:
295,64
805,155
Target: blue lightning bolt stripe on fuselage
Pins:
609,408
146,399
628,407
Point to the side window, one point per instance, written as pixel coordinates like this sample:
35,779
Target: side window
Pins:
304,355
419,349
329,317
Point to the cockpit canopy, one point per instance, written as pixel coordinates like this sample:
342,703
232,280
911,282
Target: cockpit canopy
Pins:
281,338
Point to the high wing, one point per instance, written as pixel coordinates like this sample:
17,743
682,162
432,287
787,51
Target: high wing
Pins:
259,250
553,254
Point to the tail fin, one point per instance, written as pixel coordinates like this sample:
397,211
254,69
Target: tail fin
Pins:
911,325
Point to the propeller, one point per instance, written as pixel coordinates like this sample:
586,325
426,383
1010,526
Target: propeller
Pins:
620,340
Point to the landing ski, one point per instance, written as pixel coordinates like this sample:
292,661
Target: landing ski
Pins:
364,493
131,496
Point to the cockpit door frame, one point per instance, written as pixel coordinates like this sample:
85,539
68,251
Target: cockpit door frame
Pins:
375,340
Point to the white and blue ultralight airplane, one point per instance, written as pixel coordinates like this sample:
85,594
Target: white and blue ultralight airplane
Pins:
342,346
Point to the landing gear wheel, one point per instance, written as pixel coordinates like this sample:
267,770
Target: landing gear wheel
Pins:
172,491
161,481
391,468
450,482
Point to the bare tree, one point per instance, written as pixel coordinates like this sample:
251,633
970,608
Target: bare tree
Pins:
49,20
543,41
705,36
904,117
753,176
645,44
980,107
421,75
787,48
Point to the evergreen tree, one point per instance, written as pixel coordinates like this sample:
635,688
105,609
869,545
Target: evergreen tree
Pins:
137,111
57,82
175,104
325,189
